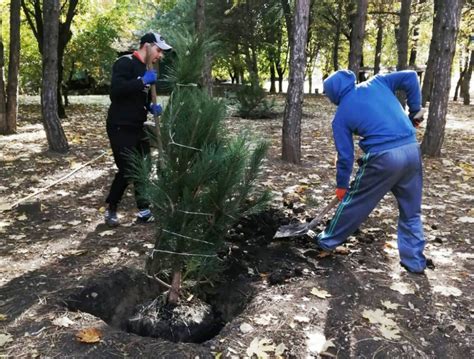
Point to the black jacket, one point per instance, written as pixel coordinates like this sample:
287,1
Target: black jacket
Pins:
129,96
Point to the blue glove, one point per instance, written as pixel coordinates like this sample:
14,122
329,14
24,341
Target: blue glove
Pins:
149,77
156,109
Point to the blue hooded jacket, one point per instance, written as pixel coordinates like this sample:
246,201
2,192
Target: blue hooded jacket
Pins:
371,111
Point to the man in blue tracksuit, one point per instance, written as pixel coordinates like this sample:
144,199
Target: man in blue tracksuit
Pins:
391,161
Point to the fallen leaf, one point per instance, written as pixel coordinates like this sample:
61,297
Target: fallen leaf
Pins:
466,219
317,343
402,288
74,223
342,250
102,210
301,319
22,217
390,332
264,319
378,316
320,293
4,207
280,349
260,348
447,291
110,232
89,335
63,322
246,328
3,317
5,338
56,226
389,305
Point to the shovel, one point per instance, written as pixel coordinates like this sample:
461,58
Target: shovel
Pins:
300,229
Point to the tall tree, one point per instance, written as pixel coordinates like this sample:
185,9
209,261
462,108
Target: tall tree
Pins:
466,81
49,103
430,66
357,36
402,34
446,24
3,96
291,132
206,77
13,66
35,19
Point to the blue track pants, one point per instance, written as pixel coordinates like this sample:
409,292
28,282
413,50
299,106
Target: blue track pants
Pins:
398,170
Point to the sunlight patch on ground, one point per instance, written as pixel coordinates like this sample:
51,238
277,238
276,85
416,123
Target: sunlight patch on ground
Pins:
455,123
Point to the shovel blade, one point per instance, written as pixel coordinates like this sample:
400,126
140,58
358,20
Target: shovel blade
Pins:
292,230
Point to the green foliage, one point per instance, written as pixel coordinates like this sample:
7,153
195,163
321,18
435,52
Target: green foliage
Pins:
253,102
204,180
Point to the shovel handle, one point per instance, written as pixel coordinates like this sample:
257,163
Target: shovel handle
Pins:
149,66
325,211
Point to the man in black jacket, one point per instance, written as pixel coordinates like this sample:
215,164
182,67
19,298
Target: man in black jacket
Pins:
130,103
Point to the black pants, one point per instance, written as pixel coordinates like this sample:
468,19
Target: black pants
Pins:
126,141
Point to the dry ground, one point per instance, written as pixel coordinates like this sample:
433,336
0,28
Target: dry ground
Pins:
358,303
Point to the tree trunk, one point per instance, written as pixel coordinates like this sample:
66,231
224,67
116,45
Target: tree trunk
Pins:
402,38
272,77
13,66
3,96
465,84
206,77
291,132
446,23
462,71
49,103
435,39
357,36
337,38
174,292
416,33
378,46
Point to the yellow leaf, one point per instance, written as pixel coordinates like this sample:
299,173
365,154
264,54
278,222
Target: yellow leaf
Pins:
3,317
102,209
89,335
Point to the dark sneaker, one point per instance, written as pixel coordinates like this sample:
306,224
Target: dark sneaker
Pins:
145,216
111,218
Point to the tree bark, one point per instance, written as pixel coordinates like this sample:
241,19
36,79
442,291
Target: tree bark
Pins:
402,38
49,103
428,81
357,36
337,38
13,66
446,23
206,76
291,132
3,96
465,84
378,46
272,77
35,18
462,72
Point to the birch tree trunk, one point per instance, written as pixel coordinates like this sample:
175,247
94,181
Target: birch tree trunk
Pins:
357,36
446,24
291,131
49,103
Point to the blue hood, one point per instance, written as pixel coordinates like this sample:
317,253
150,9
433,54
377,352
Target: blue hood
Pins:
338,85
